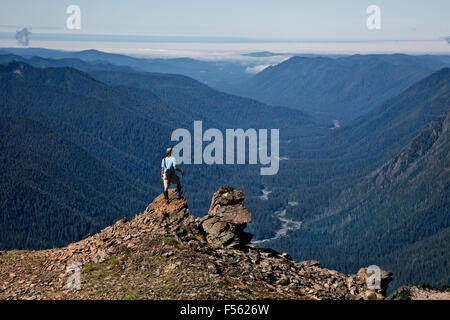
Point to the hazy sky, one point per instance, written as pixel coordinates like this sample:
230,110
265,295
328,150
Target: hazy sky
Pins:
261,19
223,29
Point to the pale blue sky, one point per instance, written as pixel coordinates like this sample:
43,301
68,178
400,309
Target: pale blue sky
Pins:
261,19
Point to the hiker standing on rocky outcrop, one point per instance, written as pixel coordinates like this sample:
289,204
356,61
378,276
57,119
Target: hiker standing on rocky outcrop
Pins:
169,175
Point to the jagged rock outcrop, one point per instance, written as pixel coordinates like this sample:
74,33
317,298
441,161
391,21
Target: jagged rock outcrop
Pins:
167,253
227,218
385,277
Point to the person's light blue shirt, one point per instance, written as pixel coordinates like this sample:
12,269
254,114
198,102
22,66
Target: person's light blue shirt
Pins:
170,163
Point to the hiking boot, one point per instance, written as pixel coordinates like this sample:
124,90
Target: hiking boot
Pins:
178,195
166,201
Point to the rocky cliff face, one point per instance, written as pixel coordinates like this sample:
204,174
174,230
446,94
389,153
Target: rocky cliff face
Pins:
167,253
427,144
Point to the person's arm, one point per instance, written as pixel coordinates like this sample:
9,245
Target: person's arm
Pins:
176,168
179,170
162,173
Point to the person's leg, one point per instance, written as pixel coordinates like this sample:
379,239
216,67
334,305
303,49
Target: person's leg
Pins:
176,181
166,190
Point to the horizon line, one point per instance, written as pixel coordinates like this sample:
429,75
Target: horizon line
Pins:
44,36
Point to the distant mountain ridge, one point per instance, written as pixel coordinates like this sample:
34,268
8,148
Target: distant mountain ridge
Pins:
221,109
188,95
217,74
342,88
395,122
75,63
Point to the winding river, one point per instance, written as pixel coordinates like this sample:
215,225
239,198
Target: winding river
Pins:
286,223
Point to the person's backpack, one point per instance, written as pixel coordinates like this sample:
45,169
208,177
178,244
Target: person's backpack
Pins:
169,171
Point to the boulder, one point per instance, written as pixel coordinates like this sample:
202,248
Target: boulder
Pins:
385,278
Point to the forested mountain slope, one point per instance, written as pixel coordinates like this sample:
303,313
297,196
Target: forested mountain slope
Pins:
342,88
214,107
53,192
397,217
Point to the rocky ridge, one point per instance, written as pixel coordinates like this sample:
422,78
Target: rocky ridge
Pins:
166,253
420,293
